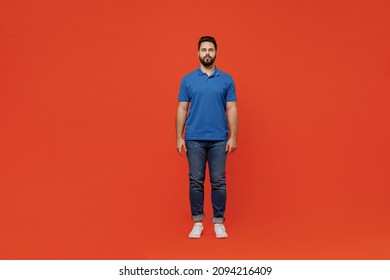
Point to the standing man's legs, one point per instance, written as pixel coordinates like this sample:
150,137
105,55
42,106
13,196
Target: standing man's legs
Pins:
198,153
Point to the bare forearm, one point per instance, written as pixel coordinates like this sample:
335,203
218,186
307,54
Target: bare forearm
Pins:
232,116
181,116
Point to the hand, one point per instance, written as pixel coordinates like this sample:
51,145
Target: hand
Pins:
180,144
231,145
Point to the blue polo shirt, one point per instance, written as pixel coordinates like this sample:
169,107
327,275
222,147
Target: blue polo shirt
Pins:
207,95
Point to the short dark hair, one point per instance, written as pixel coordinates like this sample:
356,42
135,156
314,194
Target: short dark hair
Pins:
207,39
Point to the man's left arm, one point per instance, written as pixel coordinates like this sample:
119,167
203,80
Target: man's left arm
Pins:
232,117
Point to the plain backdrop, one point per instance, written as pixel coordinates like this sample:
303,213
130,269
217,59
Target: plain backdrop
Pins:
88,97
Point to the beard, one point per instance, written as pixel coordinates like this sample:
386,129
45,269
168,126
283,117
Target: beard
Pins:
207,60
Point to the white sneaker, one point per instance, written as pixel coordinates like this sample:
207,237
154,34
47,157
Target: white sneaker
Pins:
220,231
196,231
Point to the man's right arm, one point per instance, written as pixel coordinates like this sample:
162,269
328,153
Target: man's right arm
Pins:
181,116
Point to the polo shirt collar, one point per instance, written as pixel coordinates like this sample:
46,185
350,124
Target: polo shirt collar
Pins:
216,72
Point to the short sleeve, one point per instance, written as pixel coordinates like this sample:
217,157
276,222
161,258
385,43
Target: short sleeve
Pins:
231,92
183,92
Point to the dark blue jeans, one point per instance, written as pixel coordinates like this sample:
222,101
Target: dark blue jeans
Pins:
212,152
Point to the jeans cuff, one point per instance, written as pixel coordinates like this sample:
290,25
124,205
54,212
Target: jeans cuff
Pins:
218,220
198,218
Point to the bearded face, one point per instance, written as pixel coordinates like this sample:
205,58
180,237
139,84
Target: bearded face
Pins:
207,54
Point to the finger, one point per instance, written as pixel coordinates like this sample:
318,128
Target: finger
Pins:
181,150
232,149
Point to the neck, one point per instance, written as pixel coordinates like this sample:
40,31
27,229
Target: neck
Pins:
208,69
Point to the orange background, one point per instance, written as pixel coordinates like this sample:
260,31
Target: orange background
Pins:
88,96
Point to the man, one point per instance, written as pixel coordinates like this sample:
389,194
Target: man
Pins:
208,95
